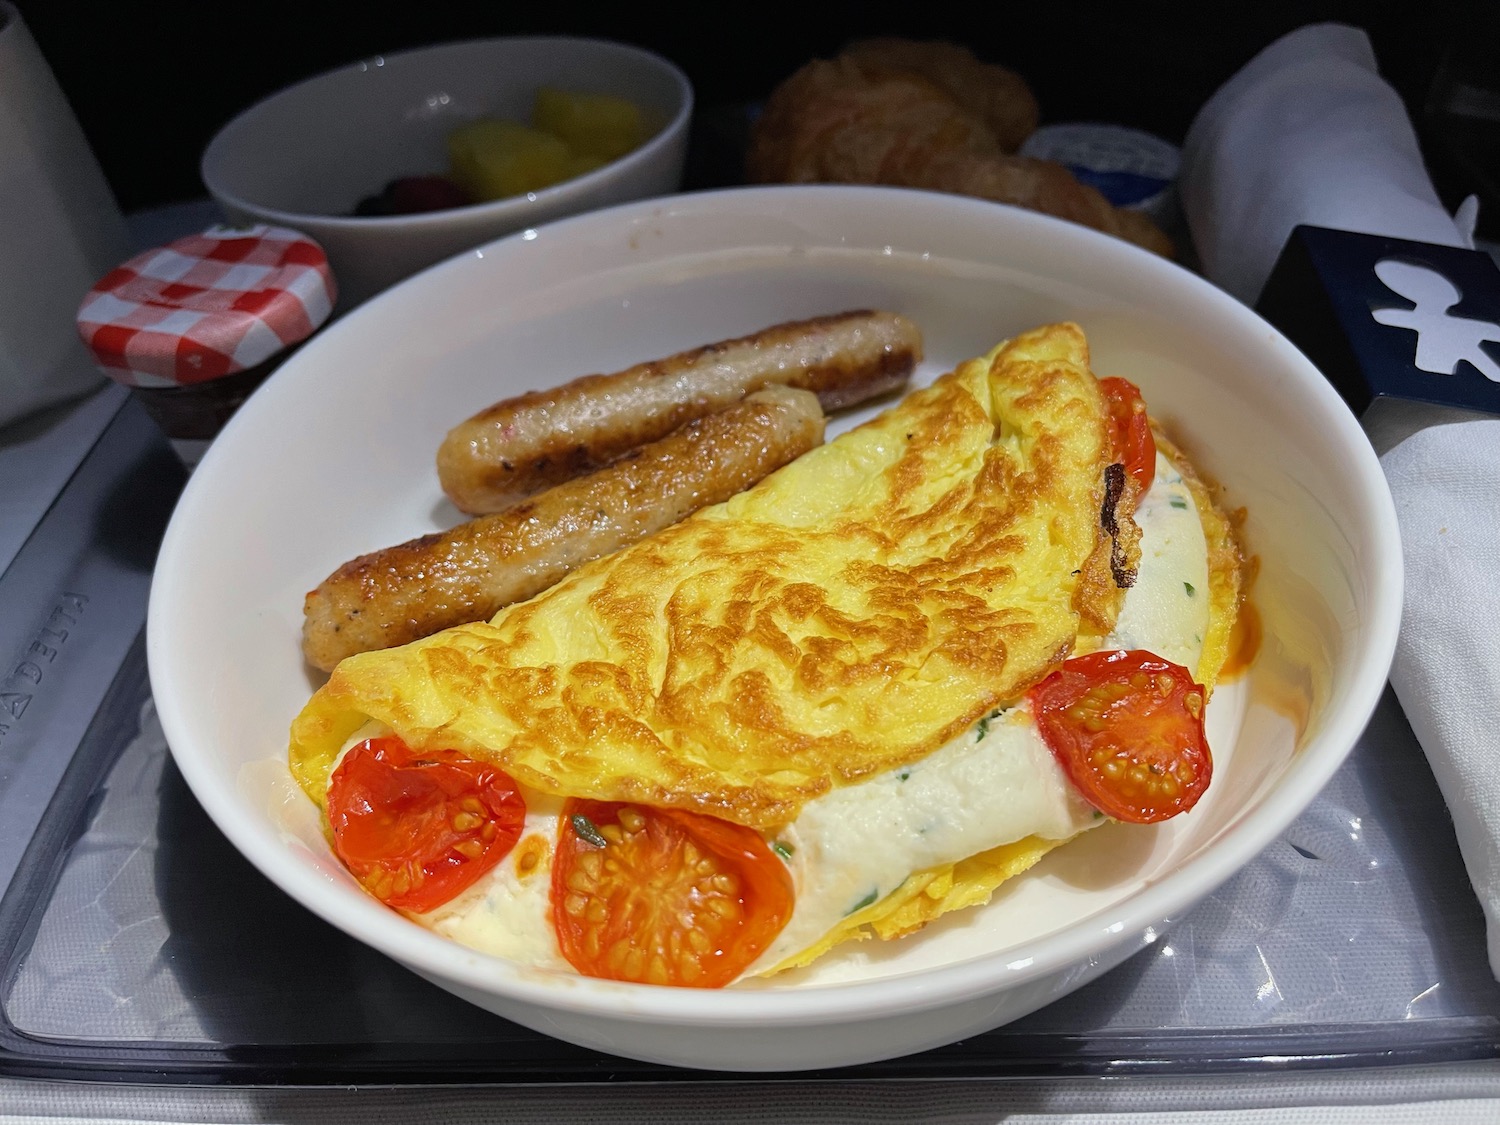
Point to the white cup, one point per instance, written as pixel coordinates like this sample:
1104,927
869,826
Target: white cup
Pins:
60,231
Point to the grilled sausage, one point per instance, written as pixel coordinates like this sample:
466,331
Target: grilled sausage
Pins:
469,573
523,445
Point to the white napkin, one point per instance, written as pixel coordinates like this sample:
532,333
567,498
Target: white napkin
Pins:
1307,132
1447,668
59,232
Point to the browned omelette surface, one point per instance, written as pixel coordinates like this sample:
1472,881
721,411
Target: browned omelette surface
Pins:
851,613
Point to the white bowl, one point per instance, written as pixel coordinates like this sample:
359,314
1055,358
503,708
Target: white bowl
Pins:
334,457
305,156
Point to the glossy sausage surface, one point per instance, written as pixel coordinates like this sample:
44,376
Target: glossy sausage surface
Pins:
523,445
472,571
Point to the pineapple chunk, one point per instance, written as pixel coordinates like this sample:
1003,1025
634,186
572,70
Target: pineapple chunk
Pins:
493,159
596,125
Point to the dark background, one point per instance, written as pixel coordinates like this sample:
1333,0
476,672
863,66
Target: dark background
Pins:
152,81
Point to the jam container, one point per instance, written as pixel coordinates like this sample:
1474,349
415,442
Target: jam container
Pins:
1131,168
195,326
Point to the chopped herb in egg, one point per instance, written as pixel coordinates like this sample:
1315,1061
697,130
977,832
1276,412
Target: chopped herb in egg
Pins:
868,900
783,849
983,726
1177,502
586,830
1191,590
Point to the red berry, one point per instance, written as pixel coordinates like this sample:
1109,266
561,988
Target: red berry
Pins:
412,194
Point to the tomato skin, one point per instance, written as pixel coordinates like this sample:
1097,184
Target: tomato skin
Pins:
672,898
1130,429
417,829
1127,729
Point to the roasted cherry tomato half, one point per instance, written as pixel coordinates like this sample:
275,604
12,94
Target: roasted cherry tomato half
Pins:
1127,728
1130,429
663,896
417,828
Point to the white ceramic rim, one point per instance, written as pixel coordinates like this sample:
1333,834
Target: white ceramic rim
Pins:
927,989
517,204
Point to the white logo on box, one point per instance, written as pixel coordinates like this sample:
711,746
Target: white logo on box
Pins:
1443,340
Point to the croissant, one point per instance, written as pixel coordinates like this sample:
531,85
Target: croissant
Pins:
999,96
863,118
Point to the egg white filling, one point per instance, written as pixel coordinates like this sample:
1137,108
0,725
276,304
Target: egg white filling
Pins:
995,784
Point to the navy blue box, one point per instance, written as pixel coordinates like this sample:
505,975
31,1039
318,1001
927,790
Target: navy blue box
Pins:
1390,321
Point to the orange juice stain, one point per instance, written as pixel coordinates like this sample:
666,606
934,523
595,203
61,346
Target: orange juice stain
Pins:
1247,633
529,855
1244,641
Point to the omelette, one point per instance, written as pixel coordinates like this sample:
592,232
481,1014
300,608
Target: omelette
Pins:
859,695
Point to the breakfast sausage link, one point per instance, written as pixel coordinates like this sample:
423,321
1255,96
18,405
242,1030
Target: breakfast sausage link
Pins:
523,445
469,573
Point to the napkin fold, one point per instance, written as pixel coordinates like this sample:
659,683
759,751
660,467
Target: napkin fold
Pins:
1307,132
59,232
1447,667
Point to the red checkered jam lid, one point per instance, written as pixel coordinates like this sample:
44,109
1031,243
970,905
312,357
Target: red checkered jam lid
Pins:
207,305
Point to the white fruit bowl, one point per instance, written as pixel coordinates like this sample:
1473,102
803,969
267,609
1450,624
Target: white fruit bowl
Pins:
305,156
